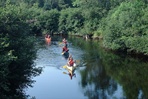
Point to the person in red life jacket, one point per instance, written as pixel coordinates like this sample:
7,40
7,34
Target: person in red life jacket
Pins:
64,41
70,62
65,49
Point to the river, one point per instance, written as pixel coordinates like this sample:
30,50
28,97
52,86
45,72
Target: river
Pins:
99,75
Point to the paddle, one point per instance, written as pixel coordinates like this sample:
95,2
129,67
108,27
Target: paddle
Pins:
60,43
65,66
65,73
77,61
62,53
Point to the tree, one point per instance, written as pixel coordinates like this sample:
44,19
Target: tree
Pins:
17,51
125,28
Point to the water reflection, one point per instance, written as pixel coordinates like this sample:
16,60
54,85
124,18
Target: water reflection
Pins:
55,83
70,75
108,75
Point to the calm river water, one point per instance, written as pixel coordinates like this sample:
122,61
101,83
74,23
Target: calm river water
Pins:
100,74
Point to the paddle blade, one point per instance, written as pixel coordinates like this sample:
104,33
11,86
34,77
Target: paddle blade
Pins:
64,73
59,43
62,53
77,61
64,66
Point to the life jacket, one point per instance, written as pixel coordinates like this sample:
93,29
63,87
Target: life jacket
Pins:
71,62
65,49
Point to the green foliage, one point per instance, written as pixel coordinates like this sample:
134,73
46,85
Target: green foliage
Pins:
130,73
49,20
92,12
92,19
97,34
138,44
70,20
124,24
17,50
63,20
5,58
41,3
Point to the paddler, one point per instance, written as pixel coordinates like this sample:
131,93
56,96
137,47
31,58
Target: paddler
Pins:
65,49
70,61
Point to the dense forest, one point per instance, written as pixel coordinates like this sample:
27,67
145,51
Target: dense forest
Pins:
122,25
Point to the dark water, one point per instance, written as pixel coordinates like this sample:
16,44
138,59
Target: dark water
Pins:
100,74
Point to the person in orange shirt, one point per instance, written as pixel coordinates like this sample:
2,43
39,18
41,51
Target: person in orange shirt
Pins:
47,39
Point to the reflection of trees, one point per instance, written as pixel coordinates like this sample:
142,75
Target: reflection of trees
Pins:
94,80
130,73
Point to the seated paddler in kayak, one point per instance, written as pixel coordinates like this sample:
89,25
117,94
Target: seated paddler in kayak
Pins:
65,49
71,62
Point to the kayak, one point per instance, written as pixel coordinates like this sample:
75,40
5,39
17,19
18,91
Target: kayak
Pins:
70,69
65,54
